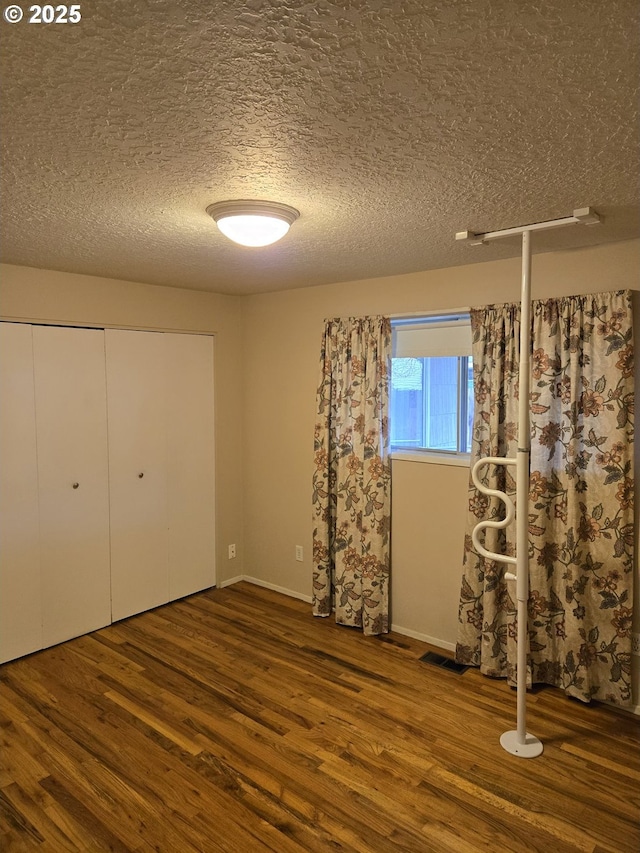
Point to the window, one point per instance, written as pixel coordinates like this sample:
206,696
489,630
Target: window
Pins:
432,385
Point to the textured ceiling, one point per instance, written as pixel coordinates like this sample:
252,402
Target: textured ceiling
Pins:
390,126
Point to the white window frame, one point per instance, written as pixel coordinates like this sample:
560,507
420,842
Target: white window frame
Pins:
457,336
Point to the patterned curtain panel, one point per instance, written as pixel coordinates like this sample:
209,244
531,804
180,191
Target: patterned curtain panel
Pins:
352,477
581,520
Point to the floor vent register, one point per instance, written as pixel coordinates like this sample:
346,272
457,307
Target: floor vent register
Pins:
444,662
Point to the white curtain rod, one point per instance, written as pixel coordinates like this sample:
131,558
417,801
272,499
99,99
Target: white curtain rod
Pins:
444,312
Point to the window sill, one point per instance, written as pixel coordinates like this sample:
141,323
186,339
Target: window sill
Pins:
458,460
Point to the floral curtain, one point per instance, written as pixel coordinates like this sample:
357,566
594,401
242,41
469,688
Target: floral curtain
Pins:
581,520
352,476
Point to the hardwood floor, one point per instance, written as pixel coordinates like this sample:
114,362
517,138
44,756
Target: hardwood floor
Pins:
234,721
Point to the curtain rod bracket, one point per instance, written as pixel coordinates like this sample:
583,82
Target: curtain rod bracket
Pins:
471,237
580,216
587,216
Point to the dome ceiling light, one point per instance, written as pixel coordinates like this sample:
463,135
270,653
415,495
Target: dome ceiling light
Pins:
253,223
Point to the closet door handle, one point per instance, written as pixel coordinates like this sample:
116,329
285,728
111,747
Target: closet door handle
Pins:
75,485
141,475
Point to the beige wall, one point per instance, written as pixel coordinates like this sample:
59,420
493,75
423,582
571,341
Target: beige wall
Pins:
282,333
48,296
267,349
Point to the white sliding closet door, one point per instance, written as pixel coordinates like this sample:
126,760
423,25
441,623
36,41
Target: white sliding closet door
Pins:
138,471
73,488
190,462
20,593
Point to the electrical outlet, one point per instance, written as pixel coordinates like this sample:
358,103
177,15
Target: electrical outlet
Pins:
232,552
635,644
299,553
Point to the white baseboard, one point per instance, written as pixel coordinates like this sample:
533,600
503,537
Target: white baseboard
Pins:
424,638
407,632
258,582
230,581
633,709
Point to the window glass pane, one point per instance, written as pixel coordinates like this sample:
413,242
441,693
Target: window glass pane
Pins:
407,402
441,400
432,384
469,430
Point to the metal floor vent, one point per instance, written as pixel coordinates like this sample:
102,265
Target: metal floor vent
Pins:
444,663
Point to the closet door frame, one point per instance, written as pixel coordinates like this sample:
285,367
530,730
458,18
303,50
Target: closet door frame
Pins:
36,321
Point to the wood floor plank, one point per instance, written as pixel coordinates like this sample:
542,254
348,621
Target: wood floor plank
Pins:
232,721
150,800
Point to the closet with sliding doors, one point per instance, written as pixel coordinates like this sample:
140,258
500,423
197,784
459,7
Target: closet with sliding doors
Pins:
106,477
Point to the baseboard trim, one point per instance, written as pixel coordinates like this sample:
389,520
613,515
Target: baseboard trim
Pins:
258,582
633,709
230,581
407,632
399,629
424,638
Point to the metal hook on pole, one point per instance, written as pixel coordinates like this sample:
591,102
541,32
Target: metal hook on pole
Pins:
492,524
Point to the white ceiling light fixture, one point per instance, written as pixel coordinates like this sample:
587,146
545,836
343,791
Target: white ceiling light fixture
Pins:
253,223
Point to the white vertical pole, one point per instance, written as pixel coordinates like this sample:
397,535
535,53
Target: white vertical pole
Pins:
522,486
518,742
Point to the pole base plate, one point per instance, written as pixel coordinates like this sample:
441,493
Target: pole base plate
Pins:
531,748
